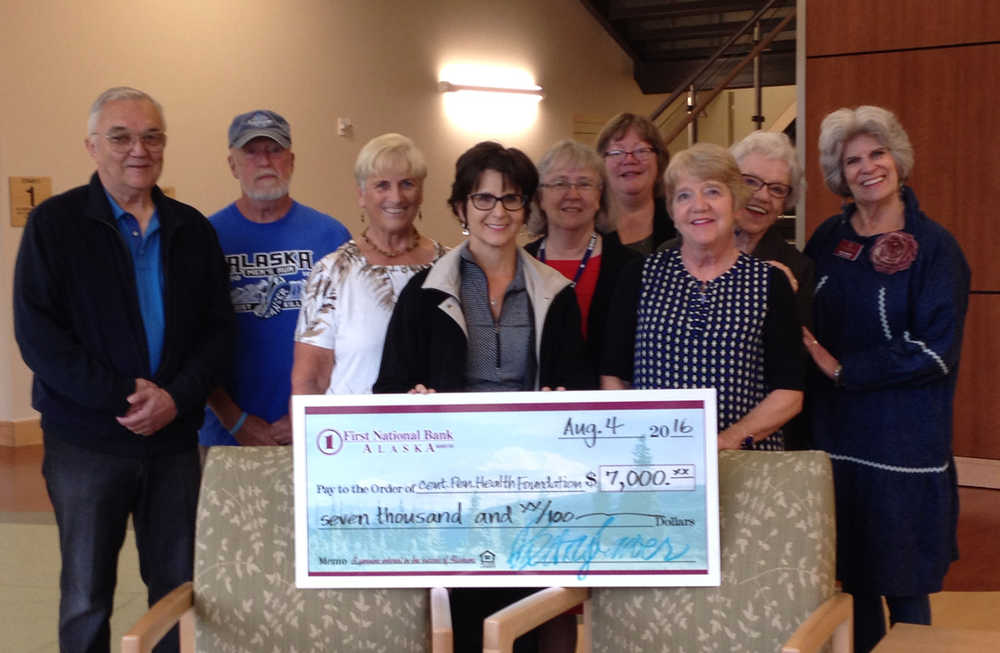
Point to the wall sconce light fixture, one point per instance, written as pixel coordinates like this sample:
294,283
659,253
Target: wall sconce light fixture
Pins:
489,100
449,87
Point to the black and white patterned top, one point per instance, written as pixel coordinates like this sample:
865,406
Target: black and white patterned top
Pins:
737,333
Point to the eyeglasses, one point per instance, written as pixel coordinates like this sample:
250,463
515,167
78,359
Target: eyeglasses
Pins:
562,186
486,201
122,142
777,190
639,154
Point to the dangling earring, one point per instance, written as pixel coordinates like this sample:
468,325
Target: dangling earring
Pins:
420,215
465,228
362,216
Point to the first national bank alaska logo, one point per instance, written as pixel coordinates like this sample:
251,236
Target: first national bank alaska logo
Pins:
330,441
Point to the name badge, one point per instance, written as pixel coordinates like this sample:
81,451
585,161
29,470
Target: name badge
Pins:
848,249
517,489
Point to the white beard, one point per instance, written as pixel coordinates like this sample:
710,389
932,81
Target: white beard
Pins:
261,195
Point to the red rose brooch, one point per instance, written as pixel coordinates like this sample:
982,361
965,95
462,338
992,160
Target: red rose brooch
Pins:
893,252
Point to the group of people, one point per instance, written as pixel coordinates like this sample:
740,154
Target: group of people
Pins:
141,320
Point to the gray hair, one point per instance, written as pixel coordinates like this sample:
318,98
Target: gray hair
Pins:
776,146
707,162
844,124
389,151
113,95
570,153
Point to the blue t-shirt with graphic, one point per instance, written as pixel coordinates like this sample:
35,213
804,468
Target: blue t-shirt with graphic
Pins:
268,267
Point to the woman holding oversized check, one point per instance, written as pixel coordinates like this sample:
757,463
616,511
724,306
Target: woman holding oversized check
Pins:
707,315
488,317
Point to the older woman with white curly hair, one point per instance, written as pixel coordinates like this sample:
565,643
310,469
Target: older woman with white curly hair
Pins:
772,171
890,305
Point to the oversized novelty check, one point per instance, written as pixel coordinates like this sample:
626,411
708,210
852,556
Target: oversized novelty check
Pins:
507,489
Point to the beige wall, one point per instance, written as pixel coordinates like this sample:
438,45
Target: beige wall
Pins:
374,61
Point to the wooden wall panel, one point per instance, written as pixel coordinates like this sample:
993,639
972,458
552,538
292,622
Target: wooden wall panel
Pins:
977,408
846,26
947,101
916,58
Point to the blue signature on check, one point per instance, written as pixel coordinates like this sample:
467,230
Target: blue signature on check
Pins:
536,547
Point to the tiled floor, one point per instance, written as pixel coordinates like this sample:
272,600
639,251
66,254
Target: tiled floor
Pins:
29,563
29,589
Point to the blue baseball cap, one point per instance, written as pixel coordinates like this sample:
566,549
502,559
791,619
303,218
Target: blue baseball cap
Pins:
248,126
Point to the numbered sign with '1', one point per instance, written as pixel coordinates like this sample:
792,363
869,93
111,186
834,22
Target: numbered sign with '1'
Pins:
25,194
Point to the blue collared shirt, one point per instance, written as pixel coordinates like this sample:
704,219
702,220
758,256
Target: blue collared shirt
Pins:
145,250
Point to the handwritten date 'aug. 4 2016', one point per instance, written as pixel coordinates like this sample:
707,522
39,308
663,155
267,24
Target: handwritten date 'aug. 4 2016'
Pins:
590,432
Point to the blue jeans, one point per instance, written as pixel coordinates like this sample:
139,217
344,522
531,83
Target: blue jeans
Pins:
93,495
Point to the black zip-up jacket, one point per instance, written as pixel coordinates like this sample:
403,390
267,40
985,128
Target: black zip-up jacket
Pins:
614,257
80,330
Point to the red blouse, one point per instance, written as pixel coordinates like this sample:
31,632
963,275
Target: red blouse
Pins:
585,286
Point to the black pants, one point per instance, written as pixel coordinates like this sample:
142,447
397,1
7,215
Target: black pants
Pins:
869,618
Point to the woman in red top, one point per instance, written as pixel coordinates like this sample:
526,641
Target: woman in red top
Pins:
569,212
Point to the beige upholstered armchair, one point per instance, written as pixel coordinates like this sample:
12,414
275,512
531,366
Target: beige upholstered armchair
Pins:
243,597
778,546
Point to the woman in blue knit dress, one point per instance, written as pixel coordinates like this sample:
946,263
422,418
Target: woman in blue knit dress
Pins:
891,295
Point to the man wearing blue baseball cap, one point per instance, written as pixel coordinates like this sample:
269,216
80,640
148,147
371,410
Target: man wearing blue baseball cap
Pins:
270,242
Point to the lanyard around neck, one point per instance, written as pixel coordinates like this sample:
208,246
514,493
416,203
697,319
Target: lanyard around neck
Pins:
583,261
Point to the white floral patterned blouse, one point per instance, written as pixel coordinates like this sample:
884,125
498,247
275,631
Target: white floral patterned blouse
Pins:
346,306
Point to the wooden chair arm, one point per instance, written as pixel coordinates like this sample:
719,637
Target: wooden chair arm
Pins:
501,628
831,619
442,636
176,606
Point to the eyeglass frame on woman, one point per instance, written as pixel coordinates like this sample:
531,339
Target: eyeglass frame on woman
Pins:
152,141
644,153
776,189
563,185
475,198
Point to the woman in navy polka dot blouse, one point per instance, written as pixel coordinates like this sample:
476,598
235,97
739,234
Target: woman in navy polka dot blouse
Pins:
707,315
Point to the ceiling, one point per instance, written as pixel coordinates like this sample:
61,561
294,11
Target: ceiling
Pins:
668,39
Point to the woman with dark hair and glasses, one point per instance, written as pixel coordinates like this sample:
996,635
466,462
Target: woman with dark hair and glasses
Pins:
488,317
635,158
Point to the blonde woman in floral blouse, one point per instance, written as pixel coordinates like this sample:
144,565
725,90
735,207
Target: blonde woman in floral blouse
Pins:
891,295
350,294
